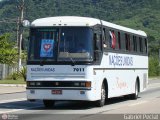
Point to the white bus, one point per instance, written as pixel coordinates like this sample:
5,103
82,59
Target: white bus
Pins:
84,59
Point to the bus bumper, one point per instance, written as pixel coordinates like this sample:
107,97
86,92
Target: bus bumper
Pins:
42,94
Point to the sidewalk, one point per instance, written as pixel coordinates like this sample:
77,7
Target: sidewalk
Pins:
6,89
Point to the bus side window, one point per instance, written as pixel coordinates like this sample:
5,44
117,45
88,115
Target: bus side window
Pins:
97,40
123,46
107,39
112,39
127,42
104,38
140,44
97,46
134,44
145,45
116,40
119,40
131,43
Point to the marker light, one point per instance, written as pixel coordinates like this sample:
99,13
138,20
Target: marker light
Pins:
32,83
88,84
76,83
38,83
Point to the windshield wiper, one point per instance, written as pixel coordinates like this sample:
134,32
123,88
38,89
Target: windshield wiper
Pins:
42,61
73,61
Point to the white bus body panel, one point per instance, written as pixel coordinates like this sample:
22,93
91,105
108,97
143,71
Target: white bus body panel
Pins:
80,21
60,73
120,71
66,95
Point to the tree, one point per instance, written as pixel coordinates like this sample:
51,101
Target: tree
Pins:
8,52
154,68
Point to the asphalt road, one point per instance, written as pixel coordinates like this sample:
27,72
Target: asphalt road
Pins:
146,107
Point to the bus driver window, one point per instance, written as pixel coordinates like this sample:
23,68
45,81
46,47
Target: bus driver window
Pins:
97,42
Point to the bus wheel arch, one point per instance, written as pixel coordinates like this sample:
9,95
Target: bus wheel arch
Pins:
106,87
138,82
104,94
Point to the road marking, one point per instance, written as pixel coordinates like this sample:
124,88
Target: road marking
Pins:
12,100
10,111
154,85
16,110
141,102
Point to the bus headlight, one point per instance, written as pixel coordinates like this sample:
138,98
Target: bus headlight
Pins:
77,84
38,83
32,83
82,84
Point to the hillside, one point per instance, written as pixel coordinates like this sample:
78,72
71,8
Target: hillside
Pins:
138,14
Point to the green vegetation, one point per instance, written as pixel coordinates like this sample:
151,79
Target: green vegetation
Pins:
18,81
8,54
137,14
23,73
143,14
154,68
16,78
18,75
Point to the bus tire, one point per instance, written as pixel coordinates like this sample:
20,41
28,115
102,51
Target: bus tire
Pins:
136,93
101,102
48,103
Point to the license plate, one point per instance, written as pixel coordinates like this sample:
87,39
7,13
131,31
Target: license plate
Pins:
57,92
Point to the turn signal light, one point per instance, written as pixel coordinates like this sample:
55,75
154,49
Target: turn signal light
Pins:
88,84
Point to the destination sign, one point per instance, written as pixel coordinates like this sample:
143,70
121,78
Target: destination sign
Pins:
43,69
119,60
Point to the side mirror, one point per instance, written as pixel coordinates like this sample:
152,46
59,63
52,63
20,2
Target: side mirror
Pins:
26,23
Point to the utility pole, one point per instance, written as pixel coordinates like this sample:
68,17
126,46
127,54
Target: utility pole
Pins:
20,32
159,57
17,31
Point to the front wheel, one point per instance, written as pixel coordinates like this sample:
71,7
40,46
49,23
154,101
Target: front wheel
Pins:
101,102
48,103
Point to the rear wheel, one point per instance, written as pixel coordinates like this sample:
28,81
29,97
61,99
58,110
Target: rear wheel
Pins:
48,103
135,95
101,102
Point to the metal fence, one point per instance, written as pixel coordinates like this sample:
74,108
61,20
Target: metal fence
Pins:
6,70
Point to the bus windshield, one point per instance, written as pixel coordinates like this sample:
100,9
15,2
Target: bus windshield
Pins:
61,44
75,43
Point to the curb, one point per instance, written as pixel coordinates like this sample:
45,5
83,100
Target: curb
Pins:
13,85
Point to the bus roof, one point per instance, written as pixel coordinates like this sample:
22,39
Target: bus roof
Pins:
81,21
